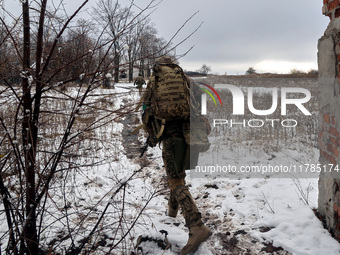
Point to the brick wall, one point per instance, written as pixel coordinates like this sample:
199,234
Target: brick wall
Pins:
329,119
331,8
329,139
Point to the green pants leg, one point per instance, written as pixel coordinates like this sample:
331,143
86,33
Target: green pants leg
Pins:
176,157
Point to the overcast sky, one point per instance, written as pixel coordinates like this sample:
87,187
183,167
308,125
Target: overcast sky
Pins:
268,35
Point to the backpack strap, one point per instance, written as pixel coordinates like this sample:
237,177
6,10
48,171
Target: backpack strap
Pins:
160,132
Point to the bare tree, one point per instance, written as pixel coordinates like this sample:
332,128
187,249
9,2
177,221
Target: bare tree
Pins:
204,70
112,17
150,47
48,136
140,44
47,60
251,70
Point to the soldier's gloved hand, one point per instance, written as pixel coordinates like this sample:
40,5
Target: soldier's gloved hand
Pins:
153,141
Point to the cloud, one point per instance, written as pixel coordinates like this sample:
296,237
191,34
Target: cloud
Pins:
239,34
267,35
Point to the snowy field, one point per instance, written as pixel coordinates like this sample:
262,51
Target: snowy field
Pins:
247,215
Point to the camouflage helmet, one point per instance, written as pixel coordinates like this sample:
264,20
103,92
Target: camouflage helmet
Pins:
164,60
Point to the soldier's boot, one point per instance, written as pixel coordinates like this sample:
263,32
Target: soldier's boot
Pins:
173,203
198,233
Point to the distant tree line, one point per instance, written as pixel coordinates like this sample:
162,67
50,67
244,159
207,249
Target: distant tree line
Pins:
84,43
252,70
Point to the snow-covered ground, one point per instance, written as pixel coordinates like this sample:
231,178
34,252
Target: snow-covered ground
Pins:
261,210
247,215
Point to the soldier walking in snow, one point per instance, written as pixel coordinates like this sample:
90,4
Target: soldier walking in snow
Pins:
139,82
166,105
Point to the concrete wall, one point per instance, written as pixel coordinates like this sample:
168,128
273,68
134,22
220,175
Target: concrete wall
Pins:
329,136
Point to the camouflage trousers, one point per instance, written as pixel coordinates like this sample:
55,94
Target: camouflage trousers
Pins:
176,157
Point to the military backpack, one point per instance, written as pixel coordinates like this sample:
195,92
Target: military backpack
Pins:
170,99
170,96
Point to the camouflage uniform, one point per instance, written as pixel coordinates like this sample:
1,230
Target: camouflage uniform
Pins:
176,158
139,82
